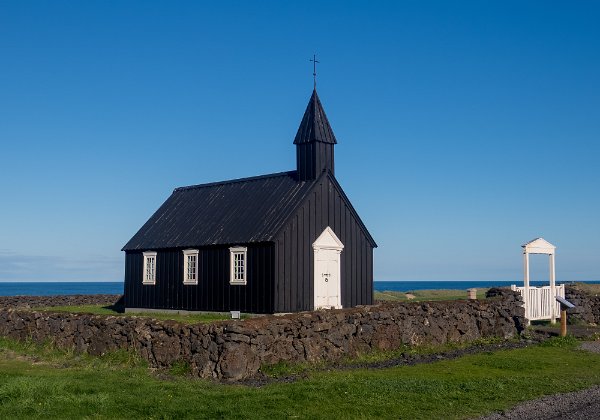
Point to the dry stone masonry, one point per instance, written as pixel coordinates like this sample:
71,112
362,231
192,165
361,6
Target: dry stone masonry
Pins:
587,306
57,300
234,350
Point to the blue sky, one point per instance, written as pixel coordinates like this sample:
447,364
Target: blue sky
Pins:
465,128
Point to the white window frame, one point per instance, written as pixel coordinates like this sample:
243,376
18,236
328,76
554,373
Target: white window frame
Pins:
235,278
186,254
149,279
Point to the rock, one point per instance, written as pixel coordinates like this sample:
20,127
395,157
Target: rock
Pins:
237,337
165,350
57,300
587,306
321,326
202,365
365,329
238,362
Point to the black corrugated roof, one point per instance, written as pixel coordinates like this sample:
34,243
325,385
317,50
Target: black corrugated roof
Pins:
315,125
231,212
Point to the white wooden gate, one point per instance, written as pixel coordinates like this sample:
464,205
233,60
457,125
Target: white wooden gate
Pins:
538,305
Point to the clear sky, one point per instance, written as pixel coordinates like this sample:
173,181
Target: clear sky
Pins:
464,128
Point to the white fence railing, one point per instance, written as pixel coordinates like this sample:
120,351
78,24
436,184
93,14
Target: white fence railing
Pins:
539,304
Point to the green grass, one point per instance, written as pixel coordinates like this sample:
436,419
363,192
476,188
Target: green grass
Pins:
39,382
284,369
419,296
379,356
592,289
105,310
426,295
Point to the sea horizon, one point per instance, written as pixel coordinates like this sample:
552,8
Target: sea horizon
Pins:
49,288
380,281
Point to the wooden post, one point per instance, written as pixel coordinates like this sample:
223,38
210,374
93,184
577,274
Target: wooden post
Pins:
553,290
563,321
526,284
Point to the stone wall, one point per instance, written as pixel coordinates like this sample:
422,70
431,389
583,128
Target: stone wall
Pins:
57,300
234,350
587,306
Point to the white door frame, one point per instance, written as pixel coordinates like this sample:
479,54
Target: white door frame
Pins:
328,241
539,246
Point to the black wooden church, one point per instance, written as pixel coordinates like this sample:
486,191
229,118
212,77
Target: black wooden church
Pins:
283,242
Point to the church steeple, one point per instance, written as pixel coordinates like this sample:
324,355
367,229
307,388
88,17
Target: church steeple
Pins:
314,141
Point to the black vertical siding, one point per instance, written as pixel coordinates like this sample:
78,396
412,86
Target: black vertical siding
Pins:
313,158
213,291
294,265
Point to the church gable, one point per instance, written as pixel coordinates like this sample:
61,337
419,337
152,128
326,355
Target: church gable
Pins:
330,206
325,206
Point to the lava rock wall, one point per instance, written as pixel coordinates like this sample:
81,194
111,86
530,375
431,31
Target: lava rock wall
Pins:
58,300
235,350
587,306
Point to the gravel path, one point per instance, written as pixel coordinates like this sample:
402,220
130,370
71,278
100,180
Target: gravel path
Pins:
593,346
584,405
573,406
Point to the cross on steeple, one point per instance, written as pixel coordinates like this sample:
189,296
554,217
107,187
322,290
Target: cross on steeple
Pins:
314,61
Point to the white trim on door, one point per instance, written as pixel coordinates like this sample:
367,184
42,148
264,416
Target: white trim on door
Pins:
327,273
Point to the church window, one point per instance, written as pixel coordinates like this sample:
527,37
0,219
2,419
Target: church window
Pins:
238,256
190,266
149,268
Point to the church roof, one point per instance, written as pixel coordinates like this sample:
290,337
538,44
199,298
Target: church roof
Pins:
231,212
315,125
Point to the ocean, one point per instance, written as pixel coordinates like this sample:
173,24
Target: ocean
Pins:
92,288
60,288
407,285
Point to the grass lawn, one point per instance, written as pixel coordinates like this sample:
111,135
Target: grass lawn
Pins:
592,289
39,382
427,295
419,296
104,310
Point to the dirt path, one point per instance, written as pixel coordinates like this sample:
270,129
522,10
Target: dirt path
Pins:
409,359
405,359
571,406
